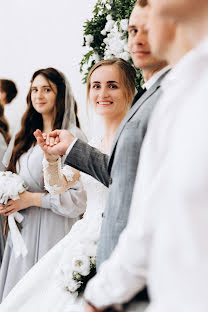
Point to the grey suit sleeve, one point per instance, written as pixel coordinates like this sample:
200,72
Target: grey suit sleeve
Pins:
89,160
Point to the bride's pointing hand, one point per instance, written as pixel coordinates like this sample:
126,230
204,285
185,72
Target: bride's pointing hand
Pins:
59,139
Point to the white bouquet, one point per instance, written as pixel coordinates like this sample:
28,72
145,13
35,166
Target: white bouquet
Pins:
11,185
79,267
78,263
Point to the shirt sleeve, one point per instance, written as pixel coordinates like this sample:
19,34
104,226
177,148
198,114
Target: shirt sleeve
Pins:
70,146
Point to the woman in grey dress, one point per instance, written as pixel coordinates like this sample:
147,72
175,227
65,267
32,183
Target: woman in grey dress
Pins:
4,140
47,218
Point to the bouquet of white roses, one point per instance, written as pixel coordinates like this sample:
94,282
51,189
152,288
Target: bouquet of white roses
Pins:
78,263
11,185
83,269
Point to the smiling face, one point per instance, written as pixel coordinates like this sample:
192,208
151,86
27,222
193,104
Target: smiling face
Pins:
43,95
107,92
138,39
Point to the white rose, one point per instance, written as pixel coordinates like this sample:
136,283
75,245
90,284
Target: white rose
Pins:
73,285
126,47
89,39
103,32
116,45
109,25
106,40
124,24
93,260
108,6
109,17
108,56
81,264
125,56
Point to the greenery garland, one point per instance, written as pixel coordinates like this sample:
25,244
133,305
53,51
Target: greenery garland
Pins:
106,33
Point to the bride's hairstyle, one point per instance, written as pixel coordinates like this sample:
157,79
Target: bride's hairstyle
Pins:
33,120
128,77
4,126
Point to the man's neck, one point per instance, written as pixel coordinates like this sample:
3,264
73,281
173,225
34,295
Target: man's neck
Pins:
150,72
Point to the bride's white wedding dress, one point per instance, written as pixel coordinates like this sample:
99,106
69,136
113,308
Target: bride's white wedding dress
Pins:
43,288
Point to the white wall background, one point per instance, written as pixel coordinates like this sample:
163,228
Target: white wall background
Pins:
41,33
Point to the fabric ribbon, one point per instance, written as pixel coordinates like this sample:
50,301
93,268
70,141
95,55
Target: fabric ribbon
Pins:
8,153
17,240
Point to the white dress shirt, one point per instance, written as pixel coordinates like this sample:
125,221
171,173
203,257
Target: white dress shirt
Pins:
70,146
165,242
149,83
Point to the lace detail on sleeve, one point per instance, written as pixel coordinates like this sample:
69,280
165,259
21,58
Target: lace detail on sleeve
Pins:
68,173
56,179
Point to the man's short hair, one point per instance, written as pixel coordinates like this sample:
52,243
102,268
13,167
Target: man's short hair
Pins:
9,87
142,3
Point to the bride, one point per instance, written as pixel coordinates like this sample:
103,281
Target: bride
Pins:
54,282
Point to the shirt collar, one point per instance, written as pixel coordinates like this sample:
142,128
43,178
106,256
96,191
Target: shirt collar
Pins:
155,77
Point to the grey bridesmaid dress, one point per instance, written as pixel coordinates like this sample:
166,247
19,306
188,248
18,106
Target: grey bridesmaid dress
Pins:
43,226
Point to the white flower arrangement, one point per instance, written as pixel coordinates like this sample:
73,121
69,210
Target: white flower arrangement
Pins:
74,277
78,264
105,35
11,185
116,41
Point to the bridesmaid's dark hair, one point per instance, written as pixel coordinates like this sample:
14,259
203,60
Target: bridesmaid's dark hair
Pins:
33,120
9,87
4,126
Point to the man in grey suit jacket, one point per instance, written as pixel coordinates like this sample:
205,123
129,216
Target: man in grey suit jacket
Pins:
118,171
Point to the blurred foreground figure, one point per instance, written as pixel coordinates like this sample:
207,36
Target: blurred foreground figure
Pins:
166,236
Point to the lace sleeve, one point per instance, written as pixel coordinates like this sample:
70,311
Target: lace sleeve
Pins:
56,179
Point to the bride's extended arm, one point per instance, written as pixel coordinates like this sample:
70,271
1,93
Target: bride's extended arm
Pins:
57,179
